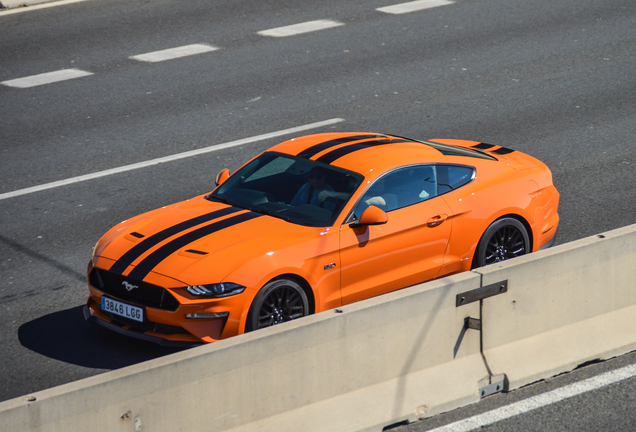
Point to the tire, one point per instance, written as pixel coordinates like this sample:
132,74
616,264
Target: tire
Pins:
504,239
278,301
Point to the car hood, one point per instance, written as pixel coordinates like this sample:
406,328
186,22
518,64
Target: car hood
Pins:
196,241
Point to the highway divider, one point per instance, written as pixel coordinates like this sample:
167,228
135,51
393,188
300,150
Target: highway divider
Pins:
16,3
363,366
402,356
565,306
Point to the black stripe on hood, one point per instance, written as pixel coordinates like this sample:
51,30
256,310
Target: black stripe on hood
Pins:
152,260
140,248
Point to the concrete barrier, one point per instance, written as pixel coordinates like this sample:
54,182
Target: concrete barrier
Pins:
377,362
564,306
16,3
405,355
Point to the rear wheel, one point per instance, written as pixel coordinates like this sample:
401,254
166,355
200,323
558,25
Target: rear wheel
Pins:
279,301
506,238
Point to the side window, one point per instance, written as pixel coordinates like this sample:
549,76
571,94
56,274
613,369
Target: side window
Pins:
400,188
451,177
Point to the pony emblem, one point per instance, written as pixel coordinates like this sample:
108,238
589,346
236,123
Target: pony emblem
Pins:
129,287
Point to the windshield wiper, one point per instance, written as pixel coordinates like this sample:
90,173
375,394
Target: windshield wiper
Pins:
272,213
211,197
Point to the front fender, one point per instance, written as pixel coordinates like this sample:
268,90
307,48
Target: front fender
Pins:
316,261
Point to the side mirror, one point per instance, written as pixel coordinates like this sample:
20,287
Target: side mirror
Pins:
372,216
222,176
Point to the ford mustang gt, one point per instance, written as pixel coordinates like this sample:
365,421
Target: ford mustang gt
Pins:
314,223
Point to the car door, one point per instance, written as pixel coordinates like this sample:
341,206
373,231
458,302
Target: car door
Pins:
408,249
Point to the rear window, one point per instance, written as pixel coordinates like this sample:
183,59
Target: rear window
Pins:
450,150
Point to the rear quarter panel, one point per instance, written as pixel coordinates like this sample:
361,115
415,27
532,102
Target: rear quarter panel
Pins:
498,190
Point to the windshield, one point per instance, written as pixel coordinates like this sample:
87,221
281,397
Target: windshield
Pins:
295,189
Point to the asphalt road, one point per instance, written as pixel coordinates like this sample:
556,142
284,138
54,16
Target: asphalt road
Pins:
608,408
552,79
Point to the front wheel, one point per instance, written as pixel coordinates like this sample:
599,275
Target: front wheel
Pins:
279,301
506,238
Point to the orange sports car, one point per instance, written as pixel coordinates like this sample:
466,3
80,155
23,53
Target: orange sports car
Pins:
314,223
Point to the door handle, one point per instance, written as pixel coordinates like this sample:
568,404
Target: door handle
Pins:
436,220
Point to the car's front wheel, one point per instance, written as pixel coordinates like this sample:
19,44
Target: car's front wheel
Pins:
278,301
504,239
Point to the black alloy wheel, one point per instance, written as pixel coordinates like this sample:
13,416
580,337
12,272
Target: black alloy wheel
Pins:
506,238
279,301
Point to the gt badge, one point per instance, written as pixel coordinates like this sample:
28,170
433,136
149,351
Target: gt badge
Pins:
330,266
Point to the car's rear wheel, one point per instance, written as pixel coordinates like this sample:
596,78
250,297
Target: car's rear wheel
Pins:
279,301
504,239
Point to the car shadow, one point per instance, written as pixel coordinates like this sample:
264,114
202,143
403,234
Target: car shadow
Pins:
67,337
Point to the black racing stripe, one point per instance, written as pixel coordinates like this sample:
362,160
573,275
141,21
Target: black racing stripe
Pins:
502,151
140,248
342,151
483,146
317,148
152,260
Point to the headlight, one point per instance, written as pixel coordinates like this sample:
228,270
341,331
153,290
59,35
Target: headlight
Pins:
223,289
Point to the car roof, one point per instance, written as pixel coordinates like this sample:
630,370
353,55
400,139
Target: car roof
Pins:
363,152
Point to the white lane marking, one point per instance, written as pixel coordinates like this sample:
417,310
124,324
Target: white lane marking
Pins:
170,158
46,78
306,27
173,53
554,396
36,7
413,6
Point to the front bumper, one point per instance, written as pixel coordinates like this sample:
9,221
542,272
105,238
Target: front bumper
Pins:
170,319
122,329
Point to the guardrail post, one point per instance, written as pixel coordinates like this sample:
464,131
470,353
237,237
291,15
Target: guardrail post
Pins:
493,383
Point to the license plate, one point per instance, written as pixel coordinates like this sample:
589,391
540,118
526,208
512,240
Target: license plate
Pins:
122,309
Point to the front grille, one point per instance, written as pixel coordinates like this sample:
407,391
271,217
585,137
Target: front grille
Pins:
144,294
